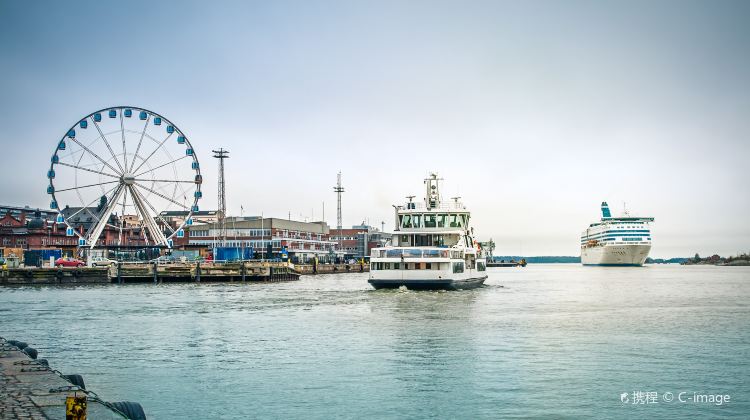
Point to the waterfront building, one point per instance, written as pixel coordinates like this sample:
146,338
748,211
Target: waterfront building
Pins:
22,213
22,231
26,228
359,240
268,237
176,218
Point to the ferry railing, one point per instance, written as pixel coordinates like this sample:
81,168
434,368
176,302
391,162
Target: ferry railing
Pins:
441,206
410,253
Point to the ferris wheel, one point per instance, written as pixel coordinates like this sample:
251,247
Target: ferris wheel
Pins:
118,170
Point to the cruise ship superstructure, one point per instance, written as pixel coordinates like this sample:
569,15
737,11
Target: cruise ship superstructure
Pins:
618,241
432,247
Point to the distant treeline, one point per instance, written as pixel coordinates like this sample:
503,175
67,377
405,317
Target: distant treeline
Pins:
541,260
677,260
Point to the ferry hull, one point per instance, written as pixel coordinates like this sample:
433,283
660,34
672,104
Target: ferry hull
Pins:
615,255
431,284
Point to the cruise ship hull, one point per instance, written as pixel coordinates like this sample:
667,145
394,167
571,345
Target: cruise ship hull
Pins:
615,255
428,284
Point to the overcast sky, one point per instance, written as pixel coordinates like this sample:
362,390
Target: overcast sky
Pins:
533,112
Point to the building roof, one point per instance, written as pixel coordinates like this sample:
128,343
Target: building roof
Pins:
185,213
268,223
84,216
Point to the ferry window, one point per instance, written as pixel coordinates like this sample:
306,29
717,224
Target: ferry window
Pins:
417,220
431,253
429,221
428,266
464,220
414,253
396,266
406,221
454,220
458,267
442,220
393,253
387,266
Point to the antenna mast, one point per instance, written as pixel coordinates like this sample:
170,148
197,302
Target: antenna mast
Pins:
222,154
338,189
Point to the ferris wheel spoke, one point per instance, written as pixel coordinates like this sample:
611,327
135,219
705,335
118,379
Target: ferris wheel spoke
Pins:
96,156
89,204
160,195
124,147
104,218
86,186
148,220
122,171
161,166
165,180
87,169
152,153
137,149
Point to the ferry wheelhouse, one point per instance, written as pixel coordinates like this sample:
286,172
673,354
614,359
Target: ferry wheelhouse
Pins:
432,247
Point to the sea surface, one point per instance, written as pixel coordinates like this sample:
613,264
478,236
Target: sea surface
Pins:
545,341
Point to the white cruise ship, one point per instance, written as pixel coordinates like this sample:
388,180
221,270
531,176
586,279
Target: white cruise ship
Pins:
432,247
619,241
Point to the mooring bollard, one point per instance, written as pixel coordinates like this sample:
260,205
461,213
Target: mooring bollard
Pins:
156,272
198,272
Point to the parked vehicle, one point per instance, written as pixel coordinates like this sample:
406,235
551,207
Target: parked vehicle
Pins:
3,264
69,262
102,262
164,259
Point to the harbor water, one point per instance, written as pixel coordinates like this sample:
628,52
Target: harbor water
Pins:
545,341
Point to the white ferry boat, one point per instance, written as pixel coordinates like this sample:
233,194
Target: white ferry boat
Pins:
618,241
432,247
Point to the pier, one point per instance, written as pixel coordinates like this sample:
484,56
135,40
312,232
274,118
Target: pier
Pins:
31,389
251,271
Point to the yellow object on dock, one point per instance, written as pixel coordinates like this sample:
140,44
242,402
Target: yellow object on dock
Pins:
75,407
